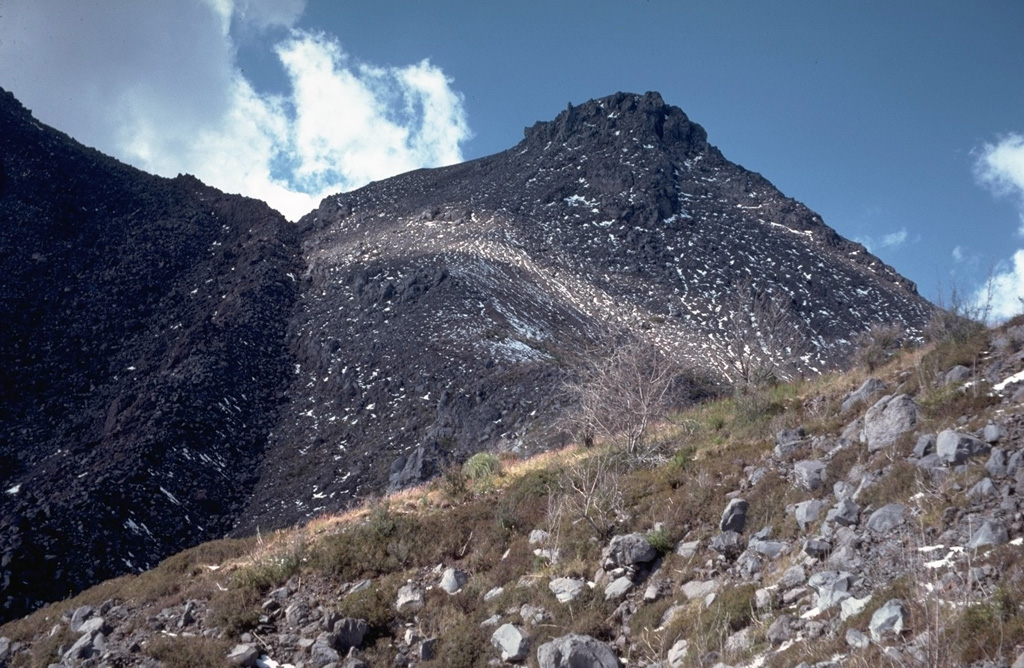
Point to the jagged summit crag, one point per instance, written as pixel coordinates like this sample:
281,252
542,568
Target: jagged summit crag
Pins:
180,363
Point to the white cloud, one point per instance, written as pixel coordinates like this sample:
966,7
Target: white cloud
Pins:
891,240
115,75
894,239
1004,291
958,254
1000,168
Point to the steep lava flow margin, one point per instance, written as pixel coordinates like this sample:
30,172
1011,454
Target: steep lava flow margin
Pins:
440,308
142,353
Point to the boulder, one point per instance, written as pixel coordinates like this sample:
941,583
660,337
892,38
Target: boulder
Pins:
566,589
807,512
832,587
993,433
856,639
778,632
628,550
925,446
868,389
576,651
410,598
453,580
889,619
817,548
511,642
728,543
617,588
956,448
788,441
809,473
539,537
695,589
688,549
79,616
886,518
676,656
983,489
990,532
890,418
734,517
957,374
845,513
322,652
349,632
243,655
997,464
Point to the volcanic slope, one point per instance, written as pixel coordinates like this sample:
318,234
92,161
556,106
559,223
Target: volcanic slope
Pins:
142,348
440,308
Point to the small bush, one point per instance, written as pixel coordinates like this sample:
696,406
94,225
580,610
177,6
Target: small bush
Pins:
482,465
189,652
877,345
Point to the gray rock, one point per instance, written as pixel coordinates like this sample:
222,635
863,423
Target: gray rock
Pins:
993,433
82,649
809,473
413,468
925,445
453,580
853,606
991,532
349,632
738,642
688,549
494,593
793,576
788,441
243,655
576,651
956,448
511,642
5,649
79,616
817,548
617,588
728,543
983,489
890,618
997,464
808,512
868,389
696,589
778,632
628,550
297,614
410,598
845,513
832,587
734,517
566,589
957,374
428,649
321,653
856,639
539,537
887,420
533,614
94,625
676,656
1014,463
772,549
886,518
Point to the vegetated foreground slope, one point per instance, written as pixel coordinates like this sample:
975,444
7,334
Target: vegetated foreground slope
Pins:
142,349
179,363
440,308
849,520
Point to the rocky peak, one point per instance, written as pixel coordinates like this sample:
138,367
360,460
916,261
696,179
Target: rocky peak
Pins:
646,117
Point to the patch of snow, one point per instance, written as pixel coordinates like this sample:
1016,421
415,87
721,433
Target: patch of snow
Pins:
13,490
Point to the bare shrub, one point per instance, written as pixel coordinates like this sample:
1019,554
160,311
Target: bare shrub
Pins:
620,394
959,320
878,344
763,337
588,490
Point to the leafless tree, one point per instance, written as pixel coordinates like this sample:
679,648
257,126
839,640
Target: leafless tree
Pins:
763,337
621,392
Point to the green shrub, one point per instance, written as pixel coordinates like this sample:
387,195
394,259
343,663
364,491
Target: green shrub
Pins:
482,465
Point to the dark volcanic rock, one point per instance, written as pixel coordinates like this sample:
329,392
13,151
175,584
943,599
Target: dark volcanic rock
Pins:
142,348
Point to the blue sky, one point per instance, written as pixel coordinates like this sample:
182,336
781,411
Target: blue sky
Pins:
901,123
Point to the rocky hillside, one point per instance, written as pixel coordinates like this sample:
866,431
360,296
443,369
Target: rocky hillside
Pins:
180,363
872,518
440,309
